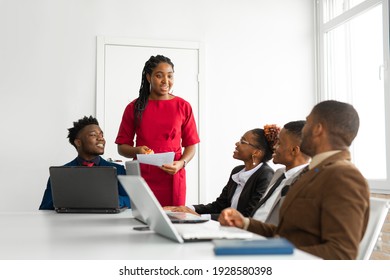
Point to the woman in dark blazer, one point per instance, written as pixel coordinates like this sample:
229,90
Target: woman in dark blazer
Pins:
248,182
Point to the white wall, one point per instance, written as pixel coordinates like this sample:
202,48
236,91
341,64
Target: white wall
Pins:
259,69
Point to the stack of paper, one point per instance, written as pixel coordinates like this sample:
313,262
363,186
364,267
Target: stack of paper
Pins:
156,159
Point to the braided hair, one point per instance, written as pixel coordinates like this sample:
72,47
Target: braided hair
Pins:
144,90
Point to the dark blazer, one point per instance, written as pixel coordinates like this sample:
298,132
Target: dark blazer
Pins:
250,195
325,213
124,200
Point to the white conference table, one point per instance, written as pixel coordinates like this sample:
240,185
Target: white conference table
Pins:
46,235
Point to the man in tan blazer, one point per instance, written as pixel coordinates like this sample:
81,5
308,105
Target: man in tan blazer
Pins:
326,210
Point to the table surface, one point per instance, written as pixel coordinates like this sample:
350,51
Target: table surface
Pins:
47,235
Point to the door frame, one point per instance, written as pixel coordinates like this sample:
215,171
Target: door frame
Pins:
103,41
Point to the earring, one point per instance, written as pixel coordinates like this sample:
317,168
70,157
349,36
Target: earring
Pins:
253,159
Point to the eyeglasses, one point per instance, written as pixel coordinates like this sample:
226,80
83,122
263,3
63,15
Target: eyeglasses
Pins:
242,141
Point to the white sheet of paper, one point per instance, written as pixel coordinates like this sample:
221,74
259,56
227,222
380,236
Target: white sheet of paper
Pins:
156,159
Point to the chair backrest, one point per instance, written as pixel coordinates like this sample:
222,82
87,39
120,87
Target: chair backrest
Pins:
378,212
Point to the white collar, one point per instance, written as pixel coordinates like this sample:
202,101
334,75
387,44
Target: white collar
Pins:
294,170
242,176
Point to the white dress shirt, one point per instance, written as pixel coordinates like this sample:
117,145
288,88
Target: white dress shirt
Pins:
240,178
262,213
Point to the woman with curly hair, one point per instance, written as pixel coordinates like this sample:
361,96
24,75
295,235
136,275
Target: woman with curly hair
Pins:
247,182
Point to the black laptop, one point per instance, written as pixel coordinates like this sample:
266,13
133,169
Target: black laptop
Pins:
80,189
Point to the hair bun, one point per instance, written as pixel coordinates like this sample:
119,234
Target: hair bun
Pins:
271,132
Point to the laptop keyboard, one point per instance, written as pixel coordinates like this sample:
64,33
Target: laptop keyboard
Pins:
207,233
185,217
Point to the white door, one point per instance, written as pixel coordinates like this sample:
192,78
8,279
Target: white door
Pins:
120,64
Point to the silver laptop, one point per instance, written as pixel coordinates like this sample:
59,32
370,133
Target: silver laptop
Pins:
80,189
158,221
133,168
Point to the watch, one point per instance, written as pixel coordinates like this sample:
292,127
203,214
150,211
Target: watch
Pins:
185,163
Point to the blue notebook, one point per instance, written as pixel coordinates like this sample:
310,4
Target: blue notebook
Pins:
269,246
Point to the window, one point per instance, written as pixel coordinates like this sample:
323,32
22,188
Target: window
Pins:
353,55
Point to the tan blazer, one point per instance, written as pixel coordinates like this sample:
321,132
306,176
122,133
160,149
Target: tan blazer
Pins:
325,212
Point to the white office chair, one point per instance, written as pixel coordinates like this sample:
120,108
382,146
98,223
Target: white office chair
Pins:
378,212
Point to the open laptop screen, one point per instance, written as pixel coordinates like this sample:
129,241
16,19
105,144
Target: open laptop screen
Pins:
158,221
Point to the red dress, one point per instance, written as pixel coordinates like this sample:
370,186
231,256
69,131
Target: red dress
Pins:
166,126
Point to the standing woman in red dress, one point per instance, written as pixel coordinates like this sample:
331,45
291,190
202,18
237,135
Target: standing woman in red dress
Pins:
161,122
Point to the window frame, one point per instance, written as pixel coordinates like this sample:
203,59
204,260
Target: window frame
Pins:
376,185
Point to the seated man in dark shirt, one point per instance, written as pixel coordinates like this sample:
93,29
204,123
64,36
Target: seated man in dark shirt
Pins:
87,137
